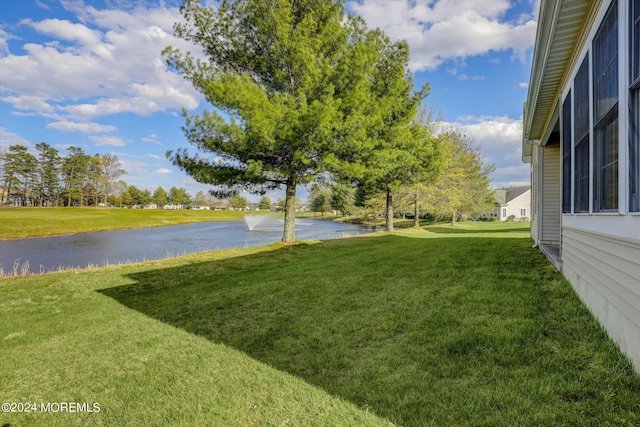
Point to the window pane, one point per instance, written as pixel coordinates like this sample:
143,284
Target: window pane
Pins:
566,154
605,65
605,111
581,137
635,39
606,161
581,176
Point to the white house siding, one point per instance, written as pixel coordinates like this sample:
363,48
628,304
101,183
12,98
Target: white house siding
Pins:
605,272
600,250
514,206
550,224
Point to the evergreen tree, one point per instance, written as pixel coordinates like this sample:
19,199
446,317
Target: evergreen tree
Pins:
160,197
12,166
138,197
291,76
22,168
48,179
399,148
320,199
75,171
264,204
343,198
179,196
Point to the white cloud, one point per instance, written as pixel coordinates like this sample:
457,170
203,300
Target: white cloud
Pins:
447,29
152,138
29,103
81,127
9,138
163,171
85,37
4,38
101,140
500,140
107,63
467,77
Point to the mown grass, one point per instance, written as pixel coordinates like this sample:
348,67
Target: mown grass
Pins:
417,328
21,223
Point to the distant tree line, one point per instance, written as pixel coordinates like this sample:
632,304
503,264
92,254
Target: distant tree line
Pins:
49,179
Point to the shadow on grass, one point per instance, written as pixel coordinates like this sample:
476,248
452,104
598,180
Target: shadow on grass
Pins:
444,331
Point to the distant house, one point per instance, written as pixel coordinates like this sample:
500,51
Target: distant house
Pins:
219,206
150,206
173,207
17,200
302,207
514,202
581,136
200,208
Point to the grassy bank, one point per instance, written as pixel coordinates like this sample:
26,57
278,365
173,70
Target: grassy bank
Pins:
417,328
21,223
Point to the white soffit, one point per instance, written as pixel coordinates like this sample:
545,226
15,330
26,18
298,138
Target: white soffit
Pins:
559,27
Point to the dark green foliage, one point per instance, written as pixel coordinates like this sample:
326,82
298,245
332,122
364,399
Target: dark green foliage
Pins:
320,199
49,179
265,203
179,196
288,80
48,163
343,198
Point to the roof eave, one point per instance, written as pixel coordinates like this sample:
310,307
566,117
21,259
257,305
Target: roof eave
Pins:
560,25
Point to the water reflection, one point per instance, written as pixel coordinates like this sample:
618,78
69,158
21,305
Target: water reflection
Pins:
125,246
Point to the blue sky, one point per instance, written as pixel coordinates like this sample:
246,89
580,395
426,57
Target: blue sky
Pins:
90,74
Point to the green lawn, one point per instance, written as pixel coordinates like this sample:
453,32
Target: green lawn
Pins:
20,223
416,328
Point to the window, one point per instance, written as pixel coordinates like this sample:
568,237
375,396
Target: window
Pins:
581,131
566,154
634,107
504,212
523,212
605,113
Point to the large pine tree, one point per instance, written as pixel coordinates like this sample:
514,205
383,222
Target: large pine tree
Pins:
288,80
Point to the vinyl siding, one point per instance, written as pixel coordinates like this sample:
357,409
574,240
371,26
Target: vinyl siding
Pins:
550,227
605,272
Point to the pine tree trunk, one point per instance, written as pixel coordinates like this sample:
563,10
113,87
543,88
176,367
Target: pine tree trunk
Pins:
389,219
7,187
290,211
453,219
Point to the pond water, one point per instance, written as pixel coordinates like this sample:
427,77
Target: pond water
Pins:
145,244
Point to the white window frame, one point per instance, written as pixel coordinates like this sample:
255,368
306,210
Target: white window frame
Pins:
605,115
634,107
625,87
